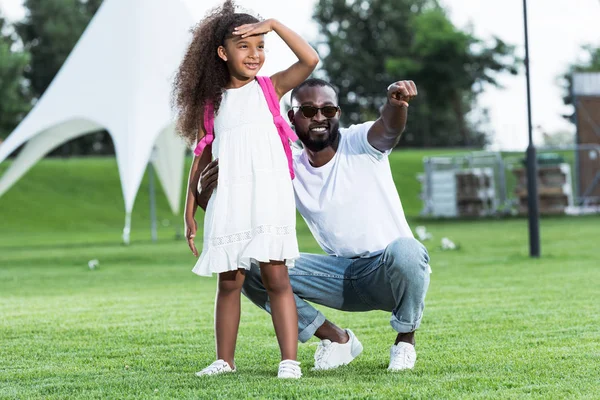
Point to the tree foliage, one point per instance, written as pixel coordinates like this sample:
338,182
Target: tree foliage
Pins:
14,93
369,44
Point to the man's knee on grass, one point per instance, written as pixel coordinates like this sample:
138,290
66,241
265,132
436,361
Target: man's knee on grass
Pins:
406,260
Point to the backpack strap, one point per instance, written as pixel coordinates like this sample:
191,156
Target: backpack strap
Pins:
209,126
285,132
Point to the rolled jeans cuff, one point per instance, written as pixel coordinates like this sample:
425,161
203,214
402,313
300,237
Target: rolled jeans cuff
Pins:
305,334
404,327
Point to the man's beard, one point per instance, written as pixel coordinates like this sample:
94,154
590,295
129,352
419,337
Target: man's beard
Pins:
318,145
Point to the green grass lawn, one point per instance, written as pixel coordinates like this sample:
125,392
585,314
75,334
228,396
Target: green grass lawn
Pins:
497,324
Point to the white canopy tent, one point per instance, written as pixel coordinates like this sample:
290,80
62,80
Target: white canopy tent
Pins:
118,77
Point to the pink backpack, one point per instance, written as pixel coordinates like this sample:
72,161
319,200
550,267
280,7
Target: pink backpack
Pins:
285,132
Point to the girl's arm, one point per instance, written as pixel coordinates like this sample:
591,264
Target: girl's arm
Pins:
198,165
286,80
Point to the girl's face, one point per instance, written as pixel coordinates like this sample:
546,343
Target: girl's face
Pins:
244,56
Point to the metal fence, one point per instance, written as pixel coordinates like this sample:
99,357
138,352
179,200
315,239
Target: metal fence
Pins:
580,164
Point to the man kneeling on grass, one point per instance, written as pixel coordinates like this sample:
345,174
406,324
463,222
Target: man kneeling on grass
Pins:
346,194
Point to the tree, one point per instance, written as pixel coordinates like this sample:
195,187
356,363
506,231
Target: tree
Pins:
13,88
370,44
451,67
592,64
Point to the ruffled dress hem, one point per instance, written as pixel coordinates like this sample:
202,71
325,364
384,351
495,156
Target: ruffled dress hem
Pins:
263,247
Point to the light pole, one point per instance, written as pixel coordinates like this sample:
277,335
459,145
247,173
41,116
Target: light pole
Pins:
532,193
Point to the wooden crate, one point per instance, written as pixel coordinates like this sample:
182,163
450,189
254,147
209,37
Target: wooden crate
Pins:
462,193
554,189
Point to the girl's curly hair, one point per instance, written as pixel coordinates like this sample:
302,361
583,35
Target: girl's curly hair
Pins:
202,75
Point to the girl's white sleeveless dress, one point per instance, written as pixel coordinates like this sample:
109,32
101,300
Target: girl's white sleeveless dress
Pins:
251,215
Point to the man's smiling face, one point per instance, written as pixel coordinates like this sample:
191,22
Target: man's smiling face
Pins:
318,132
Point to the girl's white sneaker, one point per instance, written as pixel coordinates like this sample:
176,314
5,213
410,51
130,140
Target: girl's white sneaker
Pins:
218,367
289,369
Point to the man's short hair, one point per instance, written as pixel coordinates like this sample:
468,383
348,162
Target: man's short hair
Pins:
313,82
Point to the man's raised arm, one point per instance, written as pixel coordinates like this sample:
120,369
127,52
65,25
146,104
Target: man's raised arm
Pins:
385,133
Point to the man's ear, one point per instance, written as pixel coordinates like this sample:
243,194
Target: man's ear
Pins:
222,53
291,116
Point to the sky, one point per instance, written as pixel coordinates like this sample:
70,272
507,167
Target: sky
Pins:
557,30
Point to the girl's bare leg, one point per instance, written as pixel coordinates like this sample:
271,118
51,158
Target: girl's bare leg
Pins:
283,307
227,314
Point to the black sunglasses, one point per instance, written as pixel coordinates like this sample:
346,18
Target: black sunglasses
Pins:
310,111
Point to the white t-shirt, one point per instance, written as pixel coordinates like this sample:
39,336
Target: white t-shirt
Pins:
350,204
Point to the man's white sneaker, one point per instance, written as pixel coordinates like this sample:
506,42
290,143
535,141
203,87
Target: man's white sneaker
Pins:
289,369
331,355
218,367
402,356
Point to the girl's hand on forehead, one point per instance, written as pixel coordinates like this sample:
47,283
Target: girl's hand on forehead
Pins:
259,28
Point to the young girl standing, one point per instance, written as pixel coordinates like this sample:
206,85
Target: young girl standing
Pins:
251,215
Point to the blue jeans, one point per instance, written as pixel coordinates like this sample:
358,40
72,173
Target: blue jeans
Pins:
396,281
